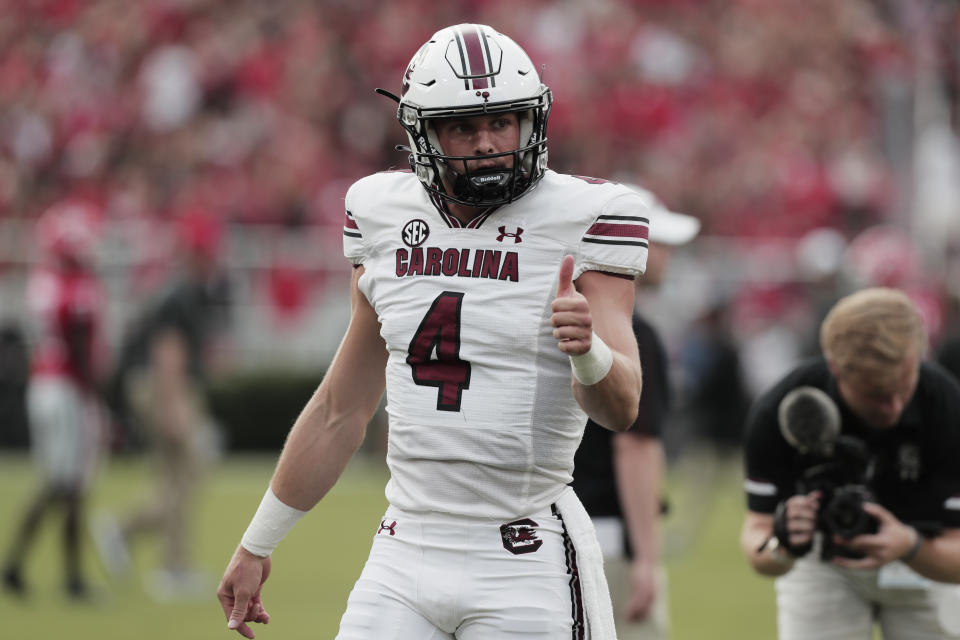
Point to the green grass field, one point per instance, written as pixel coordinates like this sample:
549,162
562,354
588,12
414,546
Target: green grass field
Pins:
713,594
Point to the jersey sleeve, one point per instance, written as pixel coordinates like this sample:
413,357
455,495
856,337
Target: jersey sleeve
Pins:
354,247
616,240
768,458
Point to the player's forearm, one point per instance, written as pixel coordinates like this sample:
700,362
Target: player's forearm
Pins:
614,400
328,431
638,467
939,558
331,426
609,394
316,452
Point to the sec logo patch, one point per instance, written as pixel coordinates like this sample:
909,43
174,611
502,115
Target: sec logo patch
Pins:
415,233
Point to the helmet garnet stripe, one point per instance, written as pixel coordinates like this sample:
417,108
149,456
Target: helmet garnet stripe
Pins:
478,65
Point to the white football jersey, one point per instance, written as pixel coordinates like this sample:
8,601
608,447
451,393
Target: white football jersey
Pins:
482,418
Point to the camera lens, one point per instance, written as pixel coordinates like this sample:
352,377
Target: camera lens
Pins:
843,514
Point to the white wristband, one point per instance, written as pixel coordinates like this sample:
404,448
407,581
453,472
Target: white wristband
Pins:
272,521
594,365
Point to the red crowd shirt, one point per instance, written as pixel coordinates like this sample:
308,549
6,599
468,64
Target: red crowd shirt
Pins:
63,303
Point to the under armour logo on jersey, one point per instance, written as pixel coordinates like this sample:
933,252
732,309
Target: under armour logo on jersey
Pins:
520,536
506,234
415,233
389,528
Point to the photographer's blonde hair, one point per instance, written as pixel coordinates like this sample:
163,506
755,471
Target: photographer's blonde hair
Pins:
868,334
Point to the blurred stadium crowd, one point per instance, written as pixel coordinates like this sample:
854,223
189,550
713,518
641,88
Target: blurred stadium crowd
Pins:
789,128
759,118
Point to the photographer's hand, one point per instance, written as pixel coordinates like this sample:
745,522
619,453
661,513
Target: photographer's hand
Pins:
767,538
893,540
799,521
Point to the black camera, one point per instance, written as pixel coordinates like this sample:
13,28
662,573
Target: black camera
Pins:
843,514
840,467
843,484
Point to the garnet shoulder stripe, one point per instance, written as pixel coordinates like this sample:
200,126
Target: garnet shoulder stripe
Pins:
632,243
624,218
618,230
350,228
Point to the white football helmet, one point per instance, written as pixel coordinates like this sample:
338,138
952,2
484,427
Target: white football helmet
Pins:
469,70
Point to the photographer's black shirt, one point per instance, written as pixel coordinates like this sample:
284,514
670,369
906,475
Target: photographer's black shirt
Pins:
917,475
593,474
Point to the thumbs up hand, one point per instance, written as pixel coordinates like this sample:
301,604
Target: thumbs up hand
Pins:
573,324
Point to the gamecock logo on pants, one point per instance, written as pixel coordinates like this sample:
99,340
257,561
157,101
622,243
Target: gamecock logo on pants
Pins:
520,536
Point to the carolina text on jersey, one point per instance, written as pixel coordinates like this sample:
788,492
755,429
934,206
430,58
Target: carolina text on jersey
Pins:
434,261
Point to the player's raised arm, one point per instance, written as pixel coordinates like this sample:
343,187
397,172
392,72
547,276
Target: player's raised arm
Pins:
592,321
324,437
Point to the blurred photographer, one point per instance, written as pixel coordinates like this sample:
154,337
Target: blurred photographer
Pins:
853,491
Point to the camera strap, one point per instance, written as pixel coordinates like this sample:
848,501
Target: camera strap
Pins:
782,533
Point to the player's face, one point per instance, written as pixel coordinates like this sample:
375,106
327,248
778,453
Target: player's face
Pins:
480,136
881,406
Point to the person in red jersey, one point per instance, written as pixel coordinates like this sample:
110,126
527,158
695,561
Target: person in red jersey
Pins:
65,301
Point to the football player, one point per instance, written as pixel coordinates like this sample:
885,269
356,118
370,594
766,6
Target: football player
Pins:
66,301
492,298
619,476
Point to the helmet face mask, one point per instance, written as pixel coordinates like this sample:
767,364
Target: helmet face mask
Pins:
462,72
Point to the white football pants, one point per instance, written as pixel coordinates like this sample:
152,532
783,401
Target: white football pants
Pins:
432,576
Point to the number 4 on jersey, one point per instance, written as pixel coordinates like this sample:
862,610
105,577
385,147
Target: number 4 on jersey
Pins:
440,330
